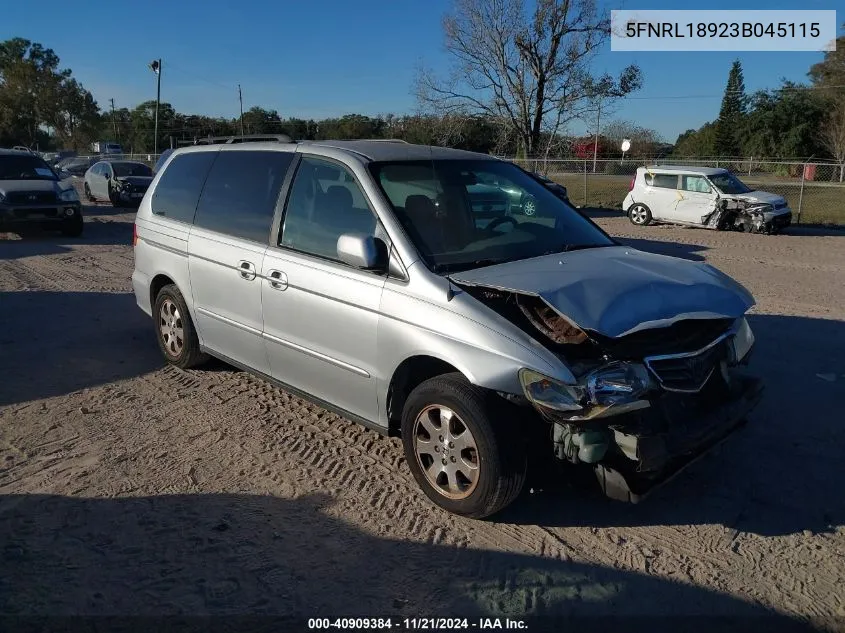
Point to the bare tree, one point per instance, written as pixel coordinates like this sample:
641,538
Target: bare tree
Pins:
530,71
833,135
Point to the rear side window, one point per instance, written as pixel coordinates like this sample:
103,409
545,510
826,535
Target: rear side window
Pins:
664,181
240,195
179,187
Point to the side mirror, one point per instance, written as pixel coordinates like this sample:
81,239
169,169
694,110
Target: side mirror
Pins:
362,251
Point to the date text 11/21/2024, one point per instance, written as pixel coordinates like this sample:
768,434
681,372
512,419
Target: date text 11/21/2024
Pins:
417,624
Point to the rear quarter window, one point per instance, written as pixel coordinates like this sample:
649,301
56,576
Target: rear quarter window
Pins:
240,194
179,187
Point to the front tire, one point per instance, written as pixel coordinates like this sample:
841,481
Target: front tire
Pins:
175,333
639,214
462,452
88,196
113,197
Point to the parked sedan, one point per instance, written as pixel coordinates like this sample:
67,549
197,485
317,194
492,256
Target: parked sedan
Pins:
123,183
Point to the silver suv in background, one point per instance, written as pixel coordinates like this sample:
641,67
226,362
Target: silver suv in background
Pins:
361,275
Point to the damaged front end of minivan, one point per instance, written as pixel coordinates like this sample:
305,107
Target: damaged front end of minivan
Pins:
650,397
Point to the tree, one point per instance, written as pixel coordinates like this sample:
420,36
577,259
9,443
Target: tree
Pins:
529,73
696,143
35,94
833,135
828,75
260,121
644,141
731,113
783,123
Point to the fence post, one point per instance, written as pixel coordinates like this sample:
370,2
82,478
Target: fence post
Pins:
801,193
585,183
750,160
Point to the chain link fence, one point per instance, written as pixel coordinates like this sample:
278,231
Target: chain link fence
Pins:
814,191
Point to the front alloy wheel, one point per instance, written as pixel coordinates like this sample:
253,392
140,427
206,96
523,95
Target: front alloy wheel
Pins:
463,446
446,452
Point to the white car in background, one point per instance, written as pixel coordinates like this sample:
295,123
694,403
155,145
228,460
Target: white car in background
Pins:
703,196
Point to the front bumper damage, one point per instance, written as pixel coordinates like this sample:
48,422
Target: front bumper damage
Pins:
640,461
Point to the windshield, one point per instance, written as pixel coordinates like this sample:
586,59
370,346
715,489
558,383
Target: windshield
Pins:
14,167
464,214
131,169
728,183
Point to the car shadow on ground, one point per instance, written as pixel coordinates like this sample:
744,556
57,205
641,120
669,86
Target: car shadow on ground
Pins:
598,212
781,474
31,241
231,554
54,343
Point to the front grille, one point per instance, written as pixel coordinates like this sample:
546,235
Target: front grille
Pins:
687,372
30,197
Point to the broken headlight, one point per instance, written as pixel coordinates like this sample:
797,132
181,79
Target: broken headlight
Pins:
618,383
607,390
548,393
742,341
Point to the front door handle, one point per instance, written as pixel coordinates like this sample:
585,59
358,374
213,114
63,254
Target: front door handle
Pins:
246,270
277,280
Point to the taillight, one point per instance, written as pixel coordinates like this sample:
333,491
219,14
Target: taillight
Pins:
134,234
631,186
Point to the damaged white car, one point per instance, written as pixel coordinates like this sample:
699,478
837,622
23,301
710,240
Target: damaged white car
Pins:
367,277
705,197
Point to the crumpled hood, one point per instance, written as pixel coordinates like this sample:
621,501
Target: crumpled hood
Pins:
761,196
136,181
618,290
27,184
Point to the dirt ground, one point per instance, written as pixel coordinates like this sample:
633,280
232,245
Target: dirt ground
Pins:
128,487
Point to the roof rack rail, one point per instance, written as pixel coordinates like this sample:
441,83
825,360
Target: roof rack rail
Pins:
246,138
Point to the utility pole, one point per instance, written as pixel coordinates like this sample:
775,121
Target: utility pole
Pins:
596,144
113,122
155,66
241,99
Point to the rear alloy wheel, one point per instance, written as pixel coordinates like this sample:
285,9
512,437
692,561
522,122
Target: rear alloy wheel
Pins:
462,452
175,332
639,214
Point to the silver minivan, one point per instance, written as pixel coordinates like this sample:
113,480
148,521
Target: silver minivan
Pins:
358,275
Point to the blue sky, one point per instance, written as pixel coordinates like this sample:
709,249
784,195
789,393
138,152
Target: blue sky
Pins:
330,57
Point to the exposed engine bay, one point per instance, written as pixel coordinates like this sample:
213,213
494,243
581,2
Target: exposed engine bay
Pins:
736,214
646,403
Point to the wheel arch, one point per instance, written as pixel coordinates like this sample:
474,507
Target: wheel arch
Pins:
410,373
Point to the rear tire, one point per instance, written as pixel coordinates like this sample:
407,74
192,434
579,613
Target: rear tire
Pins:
436,418
175,333
639,214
